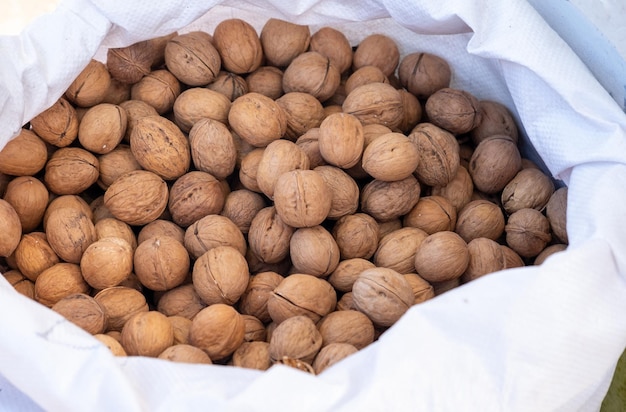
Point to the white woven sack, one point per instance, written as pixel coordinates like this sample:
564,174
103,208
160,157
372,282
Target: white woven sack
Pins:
531,339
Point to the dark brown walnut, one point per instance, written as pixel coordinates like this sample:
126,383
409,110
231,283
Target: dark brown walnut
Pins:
198,103
147,334
495,161
495,119
137,197
29,197
396,250
459,191
213,231
159,89
129,64
254,299
345,191
184,353
213,148
309,142
71,170
266,80
120,303
334,45
391,157
102,128
241,206
117,93
161,227
230,85
107,262
312,73
295,338
376,194
33,254
341,140
486,256
439,154
549,251
377,103
314,251
161,263
412,111
423,74
57,125
365,75
283,41
356,236
20,283
69,233
422,290
278,157
269,236
160,147
181,301
90,86
83,311
255,329
248,169
432,214
454,110
441,256
302,198
302,111
480,218
257,119
556,211
239,46
24,155
383,294
301,294
114,164
347,271
59,281
193,196
331,354
218,330
527,232
135,109
192,58
253,355
377,50
346,326
530,188
221,275
11,229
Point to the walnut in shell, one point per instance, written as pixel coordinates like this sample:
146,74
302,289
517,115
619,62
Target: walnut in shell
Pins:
439,154
527,232
301,294
556,211
432,214
530,188
313,250
347,271
83,311
71,170
312,73
192,58
302,198
377,50
396,250
213,231
377,103
302,111
159,89
102,128
241,206
331,354
24,155
383,294
11,229
218,330
341,140
480,218
458,191
239,46
161,263
253,355
147,334
269,236
266,80
185,354
254,300
161,227
199,103
257,119
90,86
58,281
364,75
356,236
486,256
213,148
57,125
376,194
296,338
391,157
441,256
423,74
181,301
20,283
107,262
346,326
495,119
120,303
334,45
70,232
283,41
114,164
34,254
221,275
230,85
422,290
278,157
454,110
29,197
495,161
193,196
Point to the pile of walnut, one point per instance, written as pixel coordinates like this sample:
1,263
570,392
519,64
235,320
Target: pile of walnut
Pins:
253,199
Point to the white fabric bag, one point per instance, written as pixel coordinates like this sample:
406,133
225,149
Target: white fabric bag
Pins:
530,339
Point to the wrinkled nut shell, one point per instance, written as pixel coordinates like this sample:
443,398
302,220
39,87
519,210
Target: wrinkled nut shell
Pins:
346,326
257,119
10,227
107,262
314,251
423,74
528,232
296,338
530,188
495,161
556,211
69,233
454,110
120,303
331,354
383,295
396,250
193,196
192,58
480,218
185,354
376,194
390,157
33,254
24,155
283,41
312,73
334,45
221,275
301,294
181,301
439,154
57,125
137,197
213,148
213,231
147,334
59,281
83,311
356,236
239,46
422,290
161,263
218,330
71,170
302,198
441,256
377,50
253,355
375,103
90,86
199,103
486,256
347,271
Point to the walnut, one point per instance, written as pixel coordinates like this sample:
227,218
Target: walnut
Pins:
58,281
213,231
495,161
278,157
302,111
312,73
147,334
454,110
432,214
114,164
161,227
253,355
29,198
377,103
159,89
241,206
302,198
396,250
230,85
198,103
254,299
458,191
346,326
107,262
182,301
556,211
83,311
33,254
530,188
283,41
192,58
480,218
257,119
485,256
377,50
423,74
549,251
296,338
347,271
221,275
356,236
161,263
218,330
186,354
496,119
269,236
24,155
313,250
57,125
439,154
345,191
71,170
528,232
301,294
391,157
376,194
102,128
193,196
239,46
422,290
331,354
266,80
334,45
70,232
213,148
365,75
442,256
90,86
